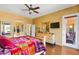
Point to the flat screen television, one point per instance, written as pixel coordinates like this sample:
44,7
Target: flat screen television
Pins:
55,25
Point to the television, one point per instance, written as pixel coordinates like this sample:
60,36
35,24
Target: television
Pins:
55,25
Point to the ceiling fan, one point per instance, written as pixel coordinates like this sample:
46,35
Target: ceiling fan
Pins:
31,8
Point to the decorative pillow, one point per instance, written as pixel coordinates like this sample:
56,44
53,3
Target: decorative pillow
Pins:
5,43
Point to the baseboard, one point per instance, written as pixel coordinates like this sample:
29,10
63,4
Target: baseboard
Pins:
51,44
66,46
59,44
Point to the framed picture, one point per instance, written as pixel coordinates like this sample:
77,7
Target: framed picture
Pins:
45,27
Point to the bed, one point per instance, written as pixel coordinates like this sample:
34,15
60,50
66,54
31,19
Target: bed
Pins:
23,45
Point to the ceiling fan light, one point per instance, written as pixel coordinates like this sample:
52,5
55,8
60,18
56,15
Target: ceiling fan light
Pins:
30,4
29,12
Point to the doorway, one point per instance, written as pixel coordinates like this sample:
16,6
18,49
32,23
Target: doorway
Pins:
70,30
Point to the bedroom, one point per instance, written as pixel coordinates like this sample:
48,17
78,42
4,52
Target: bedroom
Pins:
17,21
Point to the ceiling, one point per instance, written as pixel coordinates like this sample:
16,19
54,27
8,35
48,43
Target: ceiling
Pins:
44,9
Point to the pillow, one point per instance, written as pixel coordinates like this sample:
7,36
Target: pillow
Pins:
5,43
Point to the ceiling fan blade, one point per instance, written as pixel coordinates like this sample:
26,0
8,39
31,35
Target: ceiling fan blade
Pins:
25,9
35,8
35,11
27,6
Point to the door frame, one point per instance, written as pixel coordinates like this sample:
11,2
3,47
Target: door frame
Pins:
64,31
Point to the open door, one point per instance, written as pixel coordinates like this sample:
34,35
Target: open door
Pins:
69,31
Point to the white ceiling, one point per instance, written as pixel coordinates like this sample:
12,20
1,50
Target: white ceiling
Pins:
44,9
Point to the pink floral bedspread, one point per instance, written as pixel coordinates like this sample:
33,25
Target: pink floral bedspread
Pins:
24,45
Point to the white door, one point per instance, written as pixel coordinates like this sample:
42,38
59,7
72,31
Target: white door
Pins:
69,31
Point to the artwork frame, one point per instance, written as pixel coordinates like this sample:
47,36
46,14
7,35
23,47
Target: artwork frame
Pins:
45,26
